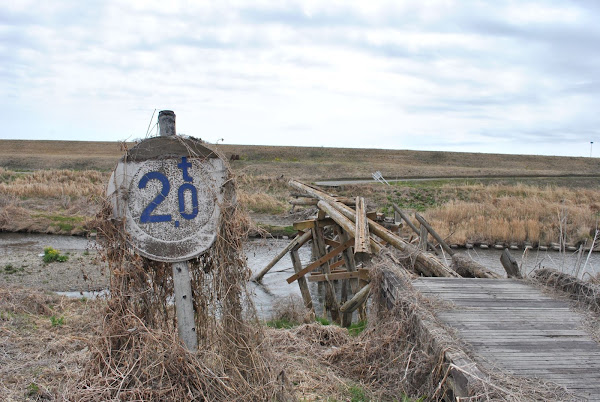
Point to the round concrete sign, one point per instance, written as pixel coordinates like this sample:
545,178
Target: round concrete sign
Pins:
169,191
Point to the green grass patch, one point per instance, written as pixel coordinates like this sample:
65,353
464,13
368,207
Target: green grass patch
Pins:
33,390
357,394
278,230
11,269
356,328
61,218
418,199
52,255
282,323
322,321
57,321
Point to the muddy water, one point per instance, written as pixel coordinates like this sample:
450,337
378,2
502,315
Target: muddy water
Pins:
533,259
274,286
11,243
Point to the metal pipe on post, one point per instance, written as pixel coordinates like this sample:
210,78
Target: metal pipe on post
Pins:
182,286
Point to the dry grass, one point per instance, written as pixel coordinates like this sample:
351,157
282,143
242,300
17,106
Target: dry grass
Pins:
44,343
514,213
307,163
50,201
486,212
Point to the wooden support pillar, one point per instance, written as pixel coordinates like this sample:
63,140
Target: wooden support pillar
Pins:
301,281
330,297
423,238
347,284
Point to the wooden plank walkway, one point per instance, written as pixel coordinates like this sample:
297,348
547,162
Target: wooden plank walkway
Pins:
515,327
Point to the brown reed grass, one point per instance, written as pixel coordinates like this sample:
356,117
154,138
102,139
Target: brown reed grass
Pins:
519,213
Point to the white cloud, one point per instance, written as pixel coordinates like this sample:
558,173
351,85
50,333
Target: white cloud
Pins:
473,76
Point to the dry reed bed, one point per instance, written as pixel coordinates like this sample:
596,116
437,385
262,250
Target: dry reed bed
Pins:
62,201
516,214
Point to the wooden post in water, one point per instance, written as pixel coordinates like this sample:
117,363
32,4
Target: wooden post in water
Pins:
330,298
406,219
435,235
301,281
182,286
510,265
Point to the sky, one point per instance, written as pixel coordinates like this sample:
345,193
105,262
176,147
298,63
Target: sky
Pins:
518,77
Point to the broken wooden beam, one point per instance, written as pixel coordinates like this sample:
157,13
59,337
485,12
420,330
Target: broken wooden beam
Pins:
425,262
308,224
298,241
313,201
358,299
321,261
362,244
344,222
435,235
510,265
467,268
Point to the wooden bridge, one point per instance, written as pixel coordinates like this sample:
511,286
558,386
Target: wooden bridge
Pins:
511,325
508,326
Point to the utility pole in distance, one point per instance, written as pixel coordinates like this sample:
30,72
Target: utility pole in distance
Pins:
591,145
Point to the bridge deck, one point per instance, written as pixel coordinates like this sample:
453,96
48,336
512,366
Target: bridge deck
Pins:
515,327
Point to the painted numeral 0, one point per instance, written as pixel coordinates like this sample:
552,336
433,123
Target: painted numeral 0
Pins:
147,217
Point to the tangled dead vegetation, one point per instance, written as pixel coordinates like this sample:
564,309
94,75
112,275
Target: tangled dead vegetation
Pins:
139,356
404,350
586,293
44,342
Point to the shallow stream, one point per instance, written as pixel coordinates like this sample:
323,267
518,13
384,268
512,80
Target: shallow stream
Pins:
274,286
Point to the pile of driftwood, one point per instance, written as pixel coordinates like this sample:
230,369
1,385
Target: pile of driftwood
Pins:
345,237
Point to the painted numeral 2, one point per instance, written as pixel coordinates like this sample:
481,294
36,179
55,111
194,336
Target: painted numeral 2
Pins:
147,217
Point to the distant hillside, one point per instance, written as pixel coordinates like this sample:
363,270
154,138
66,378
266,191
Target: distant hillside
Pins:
307,162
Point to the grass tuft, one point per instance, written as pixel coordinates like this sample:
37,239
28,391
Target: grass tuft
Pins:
52,255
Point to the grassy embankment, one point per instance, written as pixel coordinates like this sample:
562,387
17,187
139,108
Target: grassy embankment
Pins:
67,182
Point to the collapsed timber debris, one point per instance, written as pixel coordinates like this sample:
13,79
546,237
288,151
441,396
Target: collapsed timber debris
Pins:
344,240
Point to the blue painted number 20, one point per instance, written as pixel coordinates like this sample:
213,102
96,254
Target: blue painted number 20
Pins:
147,217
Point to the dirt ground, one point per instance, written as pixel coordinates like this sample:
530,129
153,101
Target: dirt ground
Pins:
82,271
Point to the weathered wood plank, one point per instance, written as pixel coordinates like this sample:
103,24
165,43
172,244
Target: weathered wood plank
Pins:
513,326
297,242
335,276
308,224
320,261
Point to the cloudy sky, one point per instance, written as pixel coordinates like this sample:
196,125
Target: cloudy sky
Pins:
477,76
